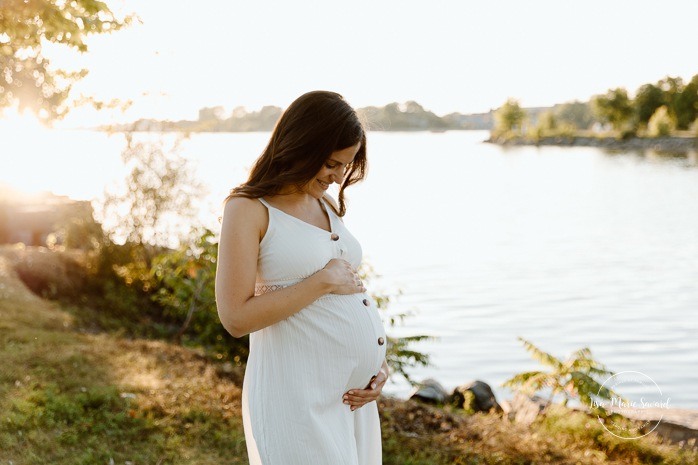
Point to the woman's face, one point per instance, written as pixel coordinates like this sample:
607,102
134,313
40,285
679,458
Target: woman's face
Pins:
332,171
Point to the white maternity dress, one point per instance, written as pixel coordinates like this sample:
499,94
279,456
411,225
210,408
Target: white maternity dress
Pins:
299,368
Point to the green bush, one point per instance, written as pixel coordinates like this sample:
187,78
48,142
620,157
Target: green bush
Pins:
661,123
183,285
509,120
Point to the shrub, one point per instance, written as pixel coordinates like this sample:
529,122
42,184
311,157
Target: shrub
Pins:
661,123
183,284
572,378
509,120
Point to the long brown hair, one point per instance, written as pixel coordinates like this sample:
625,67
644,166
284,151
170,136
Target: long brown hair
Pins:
312,127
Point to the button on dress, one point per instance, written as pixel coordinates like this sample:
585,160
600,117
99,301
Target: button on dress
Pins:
299,368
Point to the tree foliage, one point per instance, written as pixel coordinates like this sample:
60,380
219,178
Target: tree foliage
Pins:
574,378
509,118
158,194
27,77
574,114
648,98
684,103
661,123
613,107
408,116
155,209
547,121
627,116
183,283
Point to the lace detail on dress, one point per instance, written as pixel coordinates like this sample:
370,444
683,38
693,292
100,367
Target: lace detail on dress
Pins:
264,288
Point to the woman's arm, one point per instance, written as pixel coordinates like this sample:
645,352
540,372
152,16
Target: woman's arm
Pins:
241,312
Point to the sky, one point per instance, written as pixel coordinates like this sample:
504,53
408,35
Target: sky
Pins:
462,56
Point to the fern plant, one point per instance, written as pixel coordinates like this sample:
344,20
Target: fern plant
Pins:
574,378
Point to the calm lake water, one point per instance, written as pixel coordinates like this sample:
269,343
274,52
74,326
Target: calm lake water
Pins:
566,247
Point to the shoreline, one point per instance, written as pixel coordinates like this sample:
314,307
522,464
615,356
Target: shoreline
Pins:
671,144
675,424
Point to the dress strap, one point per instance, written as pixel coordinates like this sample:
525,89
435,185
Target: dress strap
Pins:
327,206
264,202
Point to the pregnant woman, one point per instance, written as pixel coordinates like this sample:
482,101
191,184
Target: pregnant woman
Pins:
287,277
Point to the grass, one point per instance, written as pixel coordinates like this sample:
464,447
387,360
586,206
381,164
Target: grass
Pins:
70,396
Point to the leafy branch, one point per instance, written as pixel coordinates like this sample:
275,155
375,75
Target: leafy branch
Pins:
574,378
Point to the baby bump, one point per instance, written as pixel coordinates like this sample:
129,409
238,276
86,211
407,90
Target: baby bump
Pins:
344,334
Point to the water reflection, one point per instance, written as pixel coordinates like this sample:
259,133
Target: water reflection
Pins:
687,158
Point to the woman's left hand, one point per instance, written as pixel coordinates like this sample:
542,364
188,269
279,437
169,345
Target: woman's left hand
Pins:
357,398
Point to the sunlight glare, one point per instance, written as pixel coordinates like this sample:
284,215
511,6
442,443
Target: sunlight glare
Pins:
34,158
20,168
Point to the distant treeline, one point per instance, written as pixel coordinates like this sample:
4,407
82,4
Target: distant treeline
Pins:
656,109
665,108
409,116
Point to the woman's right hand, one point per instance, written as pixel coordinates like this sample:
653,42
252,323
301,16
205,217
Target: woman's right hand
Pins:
342,277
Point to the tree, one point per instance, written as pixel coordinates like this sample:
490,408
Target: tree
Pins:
546,126
26,75
509,118
672,88
575,114
614,107
158,195
405,117
211,113
661,123
76,228
648,98
263,120
547,121
573,378
686,104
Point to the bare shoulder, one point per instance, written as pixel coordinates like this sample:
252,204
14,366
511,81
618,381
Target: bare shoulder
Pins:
246,213
244,206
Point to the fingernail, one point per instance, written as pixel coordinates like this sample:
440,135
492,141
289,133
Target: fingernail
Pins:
346,402
351,393
353,408
373,386
345,397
